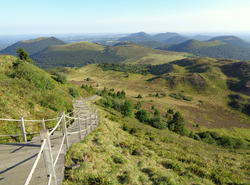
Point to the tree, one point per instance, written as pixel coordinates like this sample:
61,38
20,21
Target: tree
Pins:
157,112
23,55
138,105
127,108
179,126
142,115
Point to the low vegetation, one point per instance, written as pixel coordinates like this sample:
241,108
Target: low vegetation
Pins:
29,92
125,151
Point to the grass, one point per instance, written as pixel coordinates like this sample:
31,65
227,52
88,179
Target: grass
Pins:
155,59
29,92
76,47
209,102
112,154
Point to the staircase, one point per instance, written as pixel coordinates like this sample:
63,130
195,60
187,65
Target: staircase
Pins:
17,159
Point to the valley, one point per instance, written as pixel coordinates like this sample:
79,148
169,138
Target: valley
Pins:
210,96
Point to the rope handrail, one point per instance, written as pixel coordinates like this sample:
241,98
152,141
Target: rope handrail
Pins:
45,147
50,179
14,135
57,156
56,125
35,163
2,119
71,133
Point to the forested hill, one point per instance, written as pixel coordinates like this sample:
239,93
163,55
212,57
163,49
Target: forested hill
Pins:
32,46
235,41
215,49
83,53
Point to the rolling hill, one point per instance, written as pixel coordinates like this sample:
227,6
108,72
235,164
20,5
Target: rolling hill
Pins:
137,37
202,37
232,40
74,55
165,36
83,53
175,40
32,46
215,49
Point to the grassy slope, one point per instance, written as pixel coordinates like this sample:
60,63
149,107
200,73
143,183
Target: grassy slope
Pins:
142,55
29,92
201,80
110,155
76,47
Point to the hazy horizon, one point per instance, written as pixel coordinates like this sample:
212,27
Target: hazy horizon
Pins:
103,17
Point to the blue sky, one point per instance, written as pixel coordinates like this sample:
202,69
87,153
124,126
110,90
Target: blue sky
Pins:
120,16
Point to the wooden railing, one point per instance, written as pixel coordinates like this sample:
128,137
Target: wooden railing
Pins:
64,121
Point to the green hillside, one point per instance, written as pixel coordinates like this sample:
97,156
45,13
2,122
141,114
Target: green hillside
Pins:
137,37
215,49
83,53
27,91
75,55
235,41
126,151
204,79
164,36
32,46
175,40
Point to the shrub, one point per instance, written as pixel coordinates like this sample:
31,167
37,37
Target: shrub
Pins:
74,92
88,79
157,123
157,112
61,78
170,111
163,95
142,115
139,96
126,127
138,105
127,108
180,96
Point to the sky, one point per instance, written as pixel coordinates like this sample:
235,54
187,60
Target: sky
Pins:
123,16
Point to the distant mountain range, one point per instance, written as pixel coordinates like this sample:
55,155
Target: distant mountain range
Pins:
203,45
52,52
49,52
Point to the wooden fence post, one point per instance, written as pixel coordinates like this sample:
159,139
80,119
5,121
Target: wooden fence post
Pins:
79,127
58,128
97,117
43,123
23,129
64,129
86,125
48,157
